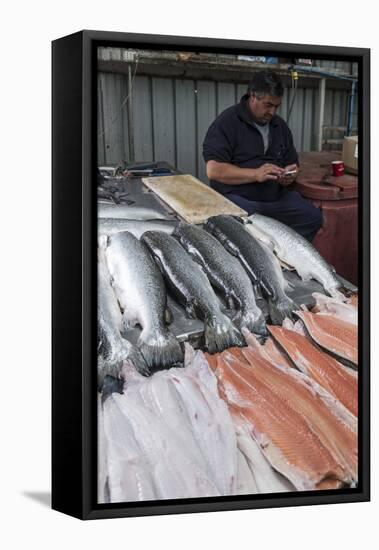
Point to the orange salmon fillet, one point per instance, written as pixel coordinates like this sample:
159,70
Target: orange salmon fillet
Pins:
295,446
332,334
323,368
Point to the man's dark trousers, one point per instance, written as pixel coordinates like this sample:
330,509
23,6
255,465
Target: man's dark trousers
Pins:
292,209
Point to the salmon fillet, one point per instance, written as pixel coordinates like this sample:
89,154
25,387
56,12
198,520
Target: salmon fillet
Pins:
321,367
285,436
353,300
330,306
268,350
335,428
332,334
212,360
329,484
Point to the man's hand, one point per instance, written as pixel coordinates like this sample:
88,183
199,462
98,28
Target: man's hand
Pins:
287,180
269,172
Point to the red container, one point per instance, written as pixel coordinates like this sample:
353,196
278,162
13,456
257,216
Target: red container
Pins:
338,168
337,240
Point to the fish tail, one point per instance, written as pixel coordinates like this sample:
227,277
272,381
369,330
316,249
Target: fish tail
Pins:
161,351
111,385
112,366
251,319
220,334
106,367
135,357
281,309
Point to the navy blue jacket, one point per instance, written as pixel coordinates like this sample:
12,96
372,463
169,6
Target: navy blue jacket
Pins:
234,138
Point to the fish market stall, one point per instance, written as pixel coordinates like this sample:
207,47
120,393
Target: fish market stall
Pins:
135,199
227,349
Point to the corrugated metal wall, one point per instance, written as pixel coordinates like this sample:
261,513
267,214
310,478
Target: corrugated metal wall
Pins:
170,116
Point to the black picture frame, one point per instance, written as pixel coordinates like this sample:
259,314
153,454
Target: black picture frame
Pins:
74,72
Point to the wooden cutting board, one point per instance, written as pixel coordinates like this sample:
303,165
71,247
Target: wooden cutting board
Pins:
194,201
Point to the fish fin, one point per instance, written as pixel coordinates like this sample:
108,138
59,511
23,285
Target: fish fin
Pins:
134,357
262,237
111,385
158,263
160,351
169,317
129,321
257,291
304,275
220,334
190,310
251,319
106,368
288,285
231,248
280,309
239,219
113,366
196,258
284,265
231,302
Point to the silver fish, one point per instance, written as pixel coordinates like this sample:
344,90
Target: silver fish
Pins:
121,211
258,260
225,273
113,350
297,252
141,292
191,287
110,226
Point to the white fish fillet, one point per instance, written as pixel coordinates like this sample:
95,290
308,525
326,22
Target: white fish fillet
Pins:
175,473
102,472
187,400
246,484
159,395
129,474
266,478
329,306
165,449
174,432
211,420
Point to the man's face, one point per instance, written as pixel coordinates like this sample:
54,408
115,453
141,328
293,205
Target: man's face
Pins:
264,108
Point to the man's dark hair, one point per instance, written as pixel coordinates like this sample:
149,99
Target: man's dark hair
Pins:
265,82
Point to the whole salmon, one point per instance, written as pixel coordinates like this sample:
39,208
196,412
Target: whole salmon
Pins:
141,292
225,273
259,262
294,250
192,288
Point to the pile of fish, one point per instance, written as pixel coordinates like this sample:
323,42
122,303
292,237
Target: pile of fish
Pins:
172,436
215,272
256,419
295,251
272,404
167,436
299,406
